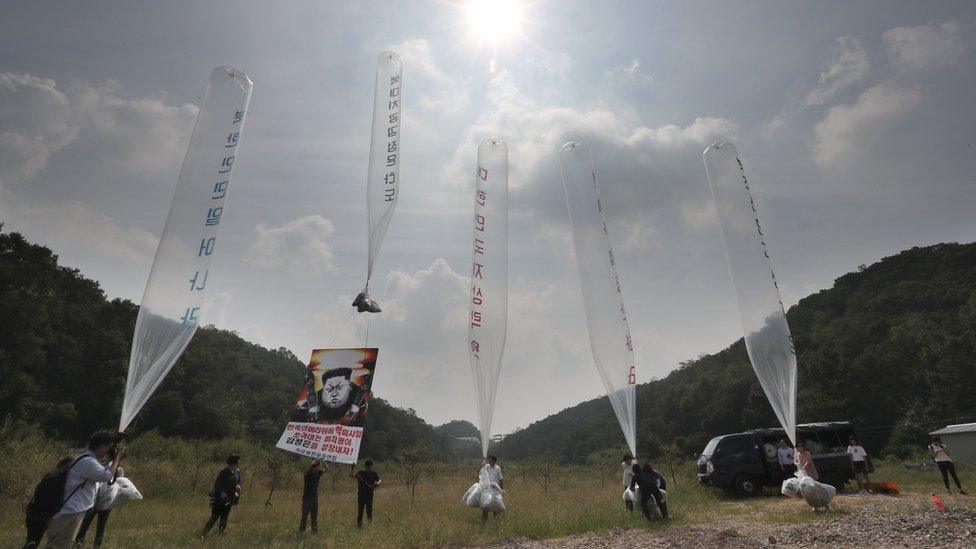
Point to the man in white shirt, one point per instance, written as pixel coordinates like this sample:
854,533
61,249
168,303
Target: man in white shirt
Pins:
859,458
493,472
786,457
80,488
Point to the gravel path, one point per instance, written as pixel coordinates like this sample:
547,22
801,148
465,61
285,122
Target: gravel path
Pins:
871,521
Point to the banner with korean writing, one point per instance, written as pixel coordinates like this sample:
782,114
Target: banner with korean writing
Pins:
328,418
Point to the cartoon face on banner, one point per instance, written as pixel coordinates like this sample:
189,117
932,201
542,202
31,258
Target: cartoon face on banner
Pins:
327,421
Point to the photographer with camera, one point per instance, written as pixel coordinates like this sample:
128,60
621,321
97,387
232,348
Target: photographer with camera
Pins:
64,510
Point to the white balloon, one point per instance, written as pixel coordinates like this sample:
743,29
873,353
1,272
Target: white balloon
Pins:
488,321
180,277
606,318
383,177
767,335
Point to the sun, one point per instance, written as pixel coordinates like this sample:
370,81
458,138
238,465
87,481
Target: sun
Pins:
494,22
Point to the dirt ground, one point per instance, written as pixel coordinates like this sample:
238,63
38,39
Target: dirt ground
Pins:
854,521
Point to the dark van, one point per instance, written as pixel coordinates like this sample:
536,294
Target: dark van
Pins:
744,463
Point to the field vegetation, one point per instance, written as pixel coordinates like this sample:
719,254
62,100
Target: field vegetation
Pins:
545,499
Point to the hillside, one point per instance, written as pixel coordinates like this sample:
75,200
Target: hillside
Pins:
890,347
64,351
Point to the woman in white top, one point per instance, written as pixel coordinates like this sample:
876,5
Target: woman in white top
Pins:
940,453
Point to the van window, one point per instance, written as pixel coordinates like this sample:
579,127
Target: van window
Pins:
710,447
736,445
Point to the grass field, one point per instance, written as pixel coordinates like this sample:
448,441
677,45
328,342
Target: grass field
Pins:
579,500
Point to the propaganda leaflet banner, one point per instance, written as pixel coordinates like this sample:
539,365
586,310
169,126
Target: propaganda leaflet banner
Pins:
327,422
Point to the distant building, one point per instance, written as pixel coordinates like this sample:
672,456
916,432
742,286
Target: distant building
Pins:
961,440
497,438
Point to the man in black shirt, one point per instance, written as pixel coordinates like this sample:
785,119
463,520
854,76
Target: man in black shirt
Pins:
310,496
226,493
647,481
368,480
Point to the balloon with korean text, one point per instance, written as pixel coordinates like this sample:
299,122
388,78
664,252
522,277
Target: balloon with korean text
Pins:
606,318
383,175
488,320
764,326
180,277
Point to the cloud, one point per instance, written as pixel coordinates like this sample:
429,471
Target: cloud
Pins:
926,46
302,246
631,74
37,120
698,215
434,89
216,307
75,230
847,129
139,135
535,132
633,233
772,126
849,67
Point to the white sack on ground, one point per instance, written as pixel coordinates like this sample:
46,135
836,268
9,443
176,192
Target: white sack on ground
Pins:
767,335
791,488
816,494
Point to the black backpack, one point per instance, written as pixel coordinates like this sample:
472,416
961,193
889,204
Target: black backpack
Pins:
49,494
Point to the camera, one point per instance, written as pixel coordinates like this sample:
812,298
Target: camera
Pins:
117,444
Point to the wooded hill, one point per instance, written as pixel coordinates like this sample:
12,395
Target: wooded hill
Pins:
64,352
891,347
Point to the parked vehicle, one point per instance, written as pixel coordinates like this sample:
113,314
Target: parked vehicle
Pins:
744,463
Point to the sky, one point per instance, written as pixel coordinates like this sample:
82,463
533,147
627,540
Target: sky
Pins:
854,121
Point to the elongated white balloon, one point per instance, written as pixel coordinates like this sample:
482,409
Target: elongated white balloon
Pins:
383,177
180,276
488,322
767,335
606,318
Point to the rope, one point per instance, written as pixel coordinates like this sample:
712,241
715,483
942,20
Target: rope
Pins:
340,328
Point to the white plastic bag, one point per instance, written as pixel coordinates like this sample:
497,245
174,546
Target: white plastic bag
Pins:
791,488
110,496
472,498
126,491
493,502
632,496
105,496
816,494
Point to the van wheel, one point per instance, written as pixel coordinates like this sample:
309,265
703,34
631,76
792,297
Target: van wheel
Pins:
747,486
834,480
